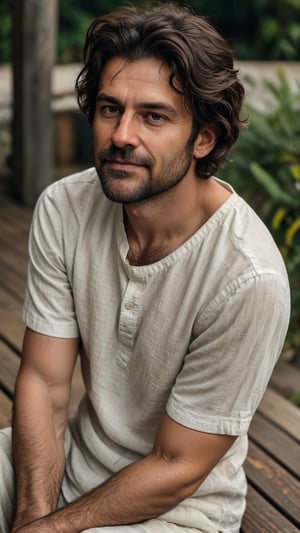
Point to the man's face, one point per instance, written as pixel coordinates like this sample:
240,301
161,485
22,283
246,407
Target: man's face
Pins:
141,131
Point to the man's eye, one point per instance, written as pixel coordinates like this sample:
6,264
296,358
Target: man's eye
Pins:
155,117
109,110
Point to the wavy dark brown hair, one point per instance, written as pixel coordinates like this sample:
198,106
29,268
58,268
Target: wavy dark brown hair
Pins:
196,54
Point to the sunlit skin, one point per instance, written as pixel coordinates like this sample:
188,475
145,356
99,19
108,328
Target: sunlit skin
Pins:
144,155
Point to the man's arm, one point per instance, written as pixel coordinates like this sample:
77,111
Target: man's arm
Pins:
41,402
179,462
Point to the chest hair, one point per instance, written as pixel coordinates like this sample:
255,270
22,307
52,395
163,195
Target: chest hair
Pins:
137,257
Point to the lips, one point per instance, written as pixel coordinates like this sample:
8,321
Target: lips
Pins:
122,157
123,162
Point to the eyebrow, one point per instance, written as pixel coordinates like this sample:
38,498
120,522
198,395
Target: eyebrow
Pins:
157,106
103,97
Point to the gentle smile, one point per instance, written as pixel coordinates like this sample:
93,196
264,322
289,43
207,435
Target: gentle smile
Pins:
124,164
121,158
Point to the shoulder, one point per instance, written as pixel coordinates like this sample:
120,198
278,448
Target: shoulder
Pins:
238,257
241,238
251,241
73,200
73,188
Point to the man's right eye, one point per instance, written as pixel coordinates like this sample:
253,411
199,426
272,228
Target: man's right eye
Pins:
109,110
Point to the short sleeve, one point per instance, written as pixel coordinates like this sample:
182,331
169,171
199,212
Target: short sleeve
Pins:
230,361
49,304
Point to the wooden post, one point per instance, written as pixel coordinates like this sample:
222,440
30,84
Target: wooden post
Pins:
34,47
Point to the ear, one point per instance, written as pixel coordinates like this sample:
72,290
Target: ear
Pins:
205,141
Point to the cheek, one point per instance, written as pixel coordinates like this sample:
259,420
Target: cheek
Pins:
100,134
96,128
169,149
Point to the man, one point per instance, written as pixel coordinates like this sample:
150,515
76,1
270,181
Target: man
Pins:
169,286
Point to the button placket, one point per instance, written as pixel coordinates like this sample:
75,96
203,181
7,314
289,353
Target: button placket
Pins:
129,316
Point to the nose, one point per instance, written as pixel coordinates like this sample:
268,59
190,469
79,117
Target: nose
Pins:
125,132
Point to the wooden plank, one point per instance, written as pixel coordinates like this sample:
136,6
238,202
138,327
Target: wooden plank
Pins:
9,303
13,233
277,485
5,410
261,517
286,378
19,212
11,225
14,252
11,281
13,259
14,226
13,210
282,412
9,366
11,329
276,443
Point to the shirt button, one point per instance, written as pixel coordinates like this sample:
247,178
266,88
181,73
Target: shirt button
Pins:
129,306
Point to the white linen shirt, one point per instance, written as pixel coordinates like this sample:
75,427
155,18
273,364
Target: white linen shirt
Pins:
195,335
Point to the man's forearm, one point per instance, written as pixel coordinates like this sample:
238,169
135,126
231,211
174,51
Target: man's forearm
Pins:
38,453
142,491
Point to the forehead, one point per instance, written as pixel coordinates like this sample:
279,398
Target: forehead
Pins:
145,78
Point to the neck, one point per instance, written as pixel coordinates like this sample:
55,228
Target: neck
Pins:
161,224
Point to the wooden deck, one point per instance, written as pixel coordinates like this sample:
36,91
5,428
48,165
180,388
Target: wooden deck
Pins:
273,462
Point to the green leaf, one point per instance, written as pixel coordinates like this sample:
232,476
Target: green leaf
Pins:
271,186
295,171
294,4
295,398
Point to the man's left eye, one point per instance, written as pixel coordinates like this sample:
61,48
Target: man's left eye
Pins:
155,117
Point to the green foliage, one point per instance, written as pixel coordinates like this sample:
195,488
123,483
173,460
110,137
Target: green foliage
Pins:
75,16
295,398
256,30
261,29
279,30
73,23
266,171
5,33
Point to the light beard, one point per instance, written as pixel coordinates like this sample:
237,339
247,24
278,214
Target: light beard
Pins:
176,169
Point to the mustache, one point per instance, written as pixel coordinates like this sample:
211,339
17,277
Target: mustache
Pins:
124,154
